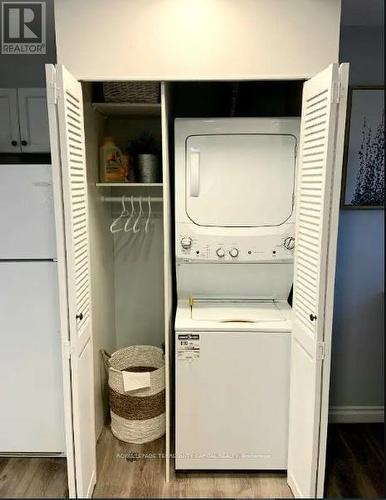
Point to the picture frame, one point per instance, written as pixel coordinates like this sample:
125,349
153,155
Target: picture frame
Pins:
363,163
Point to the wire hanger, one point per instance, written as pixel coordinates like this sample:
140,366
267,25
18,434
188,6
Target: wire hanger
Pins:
135,228
127,228
124,213
148,214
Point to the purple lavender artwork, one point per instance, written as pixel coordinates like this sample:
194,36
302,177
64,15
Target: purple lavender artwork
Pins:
365,167
369,188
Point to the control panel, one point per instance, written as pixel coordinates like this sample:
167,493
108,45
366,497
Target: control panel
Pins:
275,247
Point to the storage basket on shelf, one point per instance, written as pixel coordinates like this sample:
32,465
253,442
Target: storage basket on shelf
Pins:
137,393
139,92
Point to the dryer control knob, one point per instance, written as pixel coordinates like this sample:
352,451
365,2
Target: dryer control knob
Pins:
186,243
220,252
233,252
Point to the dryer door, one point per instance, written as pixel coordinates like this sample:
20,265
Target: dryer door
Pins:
240,179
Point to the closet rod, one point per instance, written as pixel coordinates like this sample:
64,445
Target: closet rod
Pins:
118,199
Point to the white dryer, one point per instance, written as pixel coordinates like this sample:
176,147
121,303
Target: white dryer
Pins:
234,181
234,188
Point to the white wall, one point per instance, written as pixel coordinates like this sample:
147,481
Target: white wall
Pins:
196,39
358,329
138,273
101,257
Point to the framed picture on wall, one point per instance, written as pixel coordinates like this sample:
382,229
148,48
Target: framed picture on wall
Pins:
364,163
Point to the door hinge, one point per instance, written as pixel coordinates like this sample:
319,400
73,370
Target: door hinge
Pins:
53,93
336,91
321,350
67,349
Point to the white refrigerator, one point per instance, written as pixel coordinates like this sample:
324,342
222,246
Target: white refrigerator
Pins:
31,391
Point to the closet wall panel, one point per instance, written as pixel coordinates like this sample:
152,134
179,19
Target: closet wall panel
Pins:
101,256
166,126
138,271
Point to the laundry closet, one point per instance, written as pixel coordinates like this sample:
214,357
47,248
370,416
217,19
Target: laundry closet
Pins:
121,288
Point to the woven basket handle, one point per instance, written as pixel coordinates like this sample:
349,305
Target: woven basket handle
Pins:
106,359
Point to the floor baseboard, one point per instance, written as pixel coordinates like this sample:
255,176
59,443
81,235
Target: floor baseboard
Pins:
356,414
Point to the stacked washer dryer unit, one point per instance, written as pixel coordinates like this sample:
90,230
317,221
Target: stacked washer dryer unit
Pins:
234,212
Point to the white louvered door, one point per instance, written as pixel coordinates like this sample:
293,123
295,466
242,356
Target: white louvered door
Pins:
66,101
317,208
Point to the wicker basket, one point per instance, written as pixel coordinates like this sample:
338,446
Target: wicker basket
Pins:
137,416
140,92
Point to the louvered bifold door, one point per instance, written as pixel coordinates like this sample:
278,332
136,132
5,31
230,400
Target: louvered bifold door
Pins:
73,169
317,202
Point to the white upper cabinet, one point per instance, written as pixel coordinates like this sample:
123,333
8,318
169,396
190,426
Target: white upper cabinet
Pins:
24,121
9,122
196,39
33,121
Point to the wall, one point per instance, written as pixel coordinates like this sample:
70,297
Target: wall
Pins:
138,276
28,70
196,39
101,257
358,328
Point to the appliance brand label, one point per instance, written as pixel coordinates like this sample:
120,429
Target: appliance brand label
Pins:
188,346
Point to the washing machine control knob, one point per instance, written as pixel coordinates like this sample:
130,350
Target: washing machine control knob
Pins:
233,252
289,243
186,242
220,252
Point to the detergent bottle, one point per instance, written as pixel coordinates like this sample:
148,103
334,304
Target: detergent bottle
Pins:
111,164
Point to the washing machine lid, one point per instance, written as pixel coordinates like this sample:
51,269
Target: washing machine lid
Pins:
238,311
240,180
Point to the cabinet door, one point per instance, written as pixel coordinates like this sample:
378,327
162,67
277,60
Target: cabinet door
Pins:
9,122
71,205
33,117
317,211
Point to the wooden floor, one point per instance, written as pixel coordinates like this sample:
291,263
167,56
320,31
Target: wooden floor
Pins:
33,477
355,469
120,476
355,461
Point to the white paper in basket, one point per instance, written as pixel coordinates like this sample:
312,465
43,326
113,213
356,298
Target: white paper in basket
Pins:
132,381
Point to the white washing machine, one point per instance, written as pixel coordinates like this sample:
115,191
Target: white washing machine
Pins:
232,384
234,181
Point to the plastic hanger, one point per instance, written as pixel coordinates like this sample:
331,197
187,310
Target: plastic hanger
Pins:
127,228
148,214
135,228
124,213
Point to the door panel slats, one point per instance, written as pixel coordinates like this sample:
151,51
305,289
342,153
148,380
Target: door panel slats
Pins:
78,190
313,213
314,103
313,139
69,112
311,99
